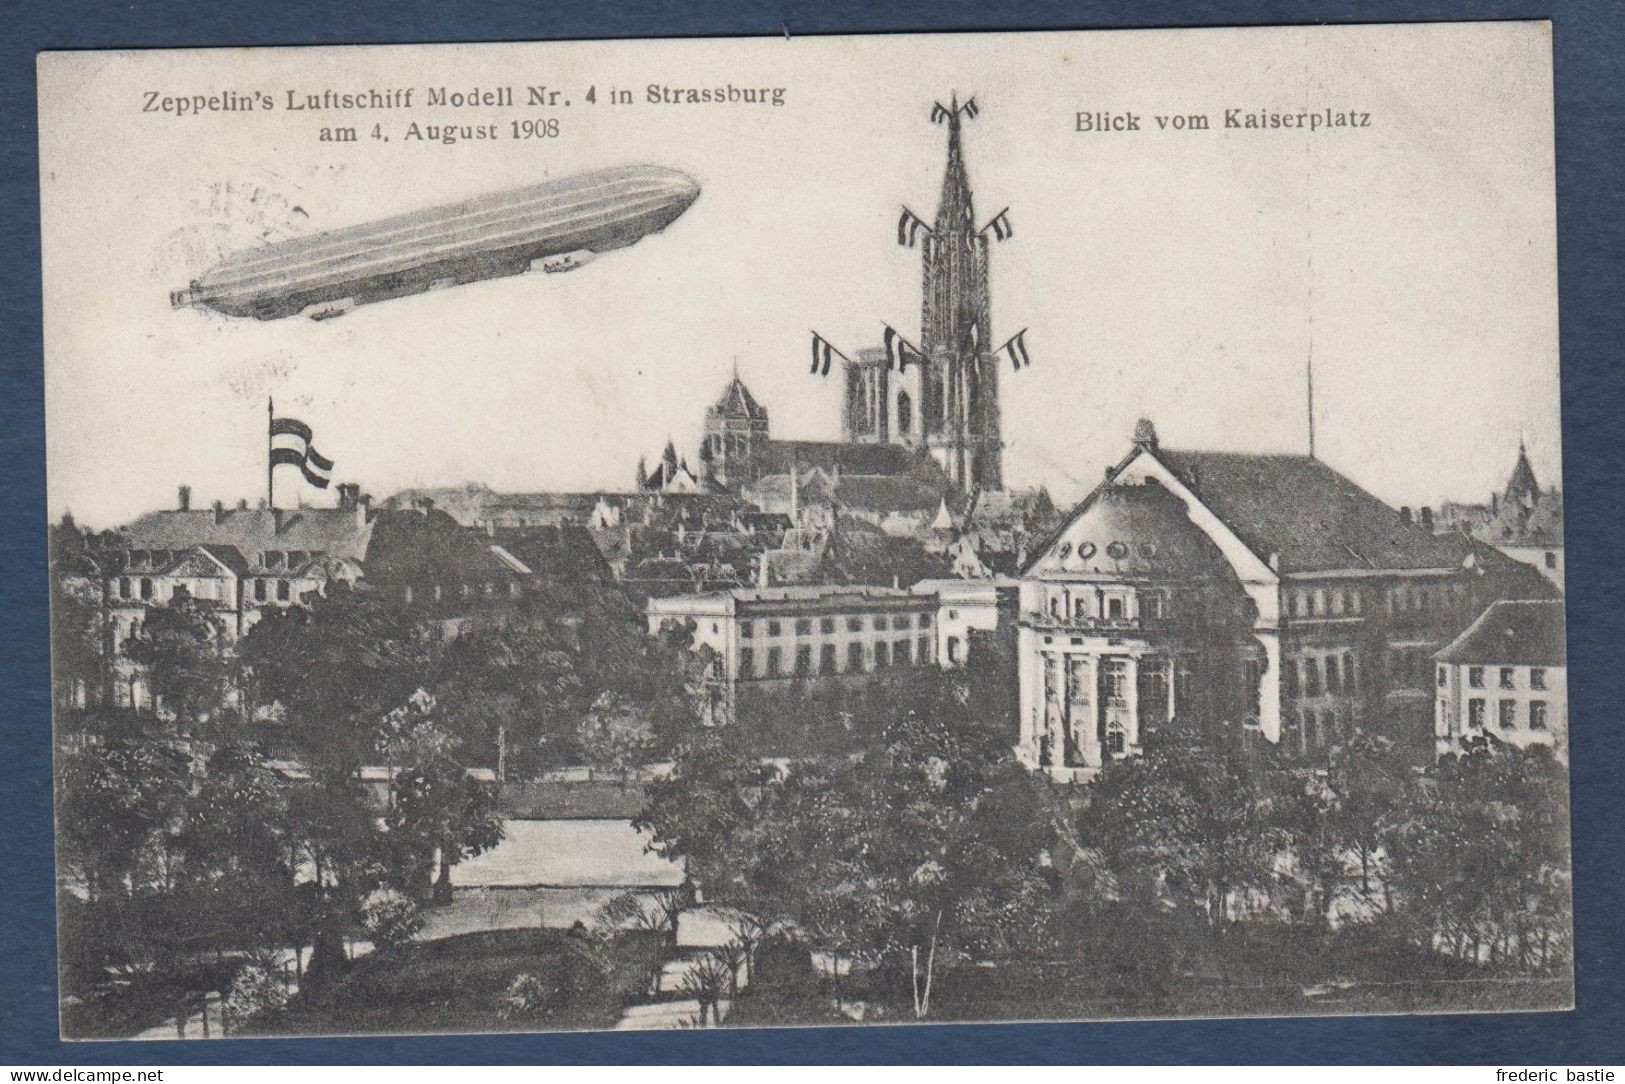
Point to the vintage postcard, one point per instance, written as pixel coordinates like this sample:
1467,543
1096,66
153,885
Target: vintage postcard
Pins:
828,531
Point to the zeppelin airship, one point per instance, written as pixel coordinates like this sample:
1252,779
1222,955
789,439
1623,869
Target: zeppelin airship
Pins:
553,226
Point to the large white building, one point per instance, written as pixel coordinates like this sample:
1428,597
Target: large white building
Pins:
1506,676
1264,591
824,632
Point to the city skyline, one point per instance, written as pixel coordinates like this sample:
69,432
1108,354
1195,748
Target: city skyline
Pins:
1182,279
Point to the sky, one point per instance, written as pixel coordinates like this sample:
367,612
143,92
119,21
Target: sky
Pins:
1187,277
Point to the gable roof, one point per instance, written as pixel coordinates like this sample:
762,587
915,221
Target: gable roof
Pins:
1512,633
251,531
1312,517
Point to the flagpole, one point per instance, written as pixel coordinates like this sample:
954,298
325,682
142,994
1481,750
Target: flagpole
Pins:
270,464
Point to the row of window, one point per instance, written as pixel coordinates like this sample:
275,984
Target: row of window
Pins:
886,653
1311,675
804,625
1507,677
1112,606
1506,713
1327,602
128,589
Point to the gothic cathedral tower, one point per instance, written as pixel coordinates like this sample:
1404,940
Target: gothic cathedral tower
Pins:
961,384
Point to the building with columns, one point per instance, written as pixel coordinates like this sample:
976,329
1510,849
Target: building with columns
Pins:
1265,590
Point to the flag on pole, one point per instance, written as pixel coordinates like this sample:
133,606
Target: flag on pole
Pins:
909,228
939,113
1000,226
299,451
969,108
823,354
899,349
1016,350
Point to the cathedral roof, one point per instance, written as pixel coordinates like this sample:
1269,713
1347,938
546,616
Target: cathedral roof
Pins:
737,402
1133,530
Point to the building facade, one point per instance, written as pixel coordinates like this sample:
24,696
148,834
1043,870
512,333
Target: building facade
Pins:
1264,590
811,632
970,608
1523,521
1506,677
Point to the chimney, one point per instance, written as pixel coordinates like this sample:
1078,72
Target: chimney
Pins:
184,498
363,507
1427,520
348,492
219,512
1405,514
242,504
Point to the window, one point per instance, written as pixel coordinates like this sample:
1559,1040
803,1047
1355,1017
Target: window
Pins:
1333,677
1475,713
803,660
775,662
854,657
925,621
259,590
1551,559
1311,677
772,628
747,663
803,626
1507,713
1508,678
901,621
1537,677
826,625
1338,603
1348,671
854,624
1300,604
1114,682
1356,601
826,659
882,655
714,628
282,591
146,588
1320,602
124,587
1328,726
747,629
880,621
1475,676
1443,677
1116,741
953,649
902,653
923,649
1537,715
1114,608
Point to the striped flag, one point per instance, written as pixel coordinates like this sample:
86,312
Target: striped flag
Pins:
1000,226
939,113
1016,350
299,451
822,355
969,108
899,349
909,228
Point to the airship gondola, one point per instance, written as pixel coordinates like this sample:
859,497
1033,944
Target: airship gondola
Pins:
552,226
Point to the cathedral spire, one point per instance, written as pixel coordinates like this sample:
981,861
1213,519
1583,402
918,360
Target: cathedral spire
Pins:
955,210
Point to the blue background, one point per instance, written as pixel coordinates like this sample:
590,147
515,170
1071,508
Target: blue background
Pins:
1590,72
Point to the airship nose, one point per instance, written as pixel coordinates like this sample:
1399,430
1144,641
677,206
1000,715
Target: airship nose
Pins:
685,188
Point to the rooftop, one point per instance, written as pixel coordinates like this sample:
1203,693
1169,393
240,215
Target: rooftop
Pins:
1512,633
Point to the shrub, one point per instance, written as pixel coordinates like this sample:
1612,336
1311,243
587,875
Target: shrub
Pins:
529,995
390,917
257,989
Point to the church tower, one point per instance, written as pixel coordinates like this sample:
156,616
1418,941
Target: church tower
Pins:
960,384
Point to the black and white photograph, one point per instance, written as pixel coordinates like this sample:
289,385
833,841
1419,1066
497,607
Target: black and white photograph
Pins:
820,531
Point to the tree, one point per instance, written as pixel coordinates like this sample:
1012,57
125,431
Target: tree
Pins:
117,802
919,845
1481,866
1191,823
616,735
189,669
